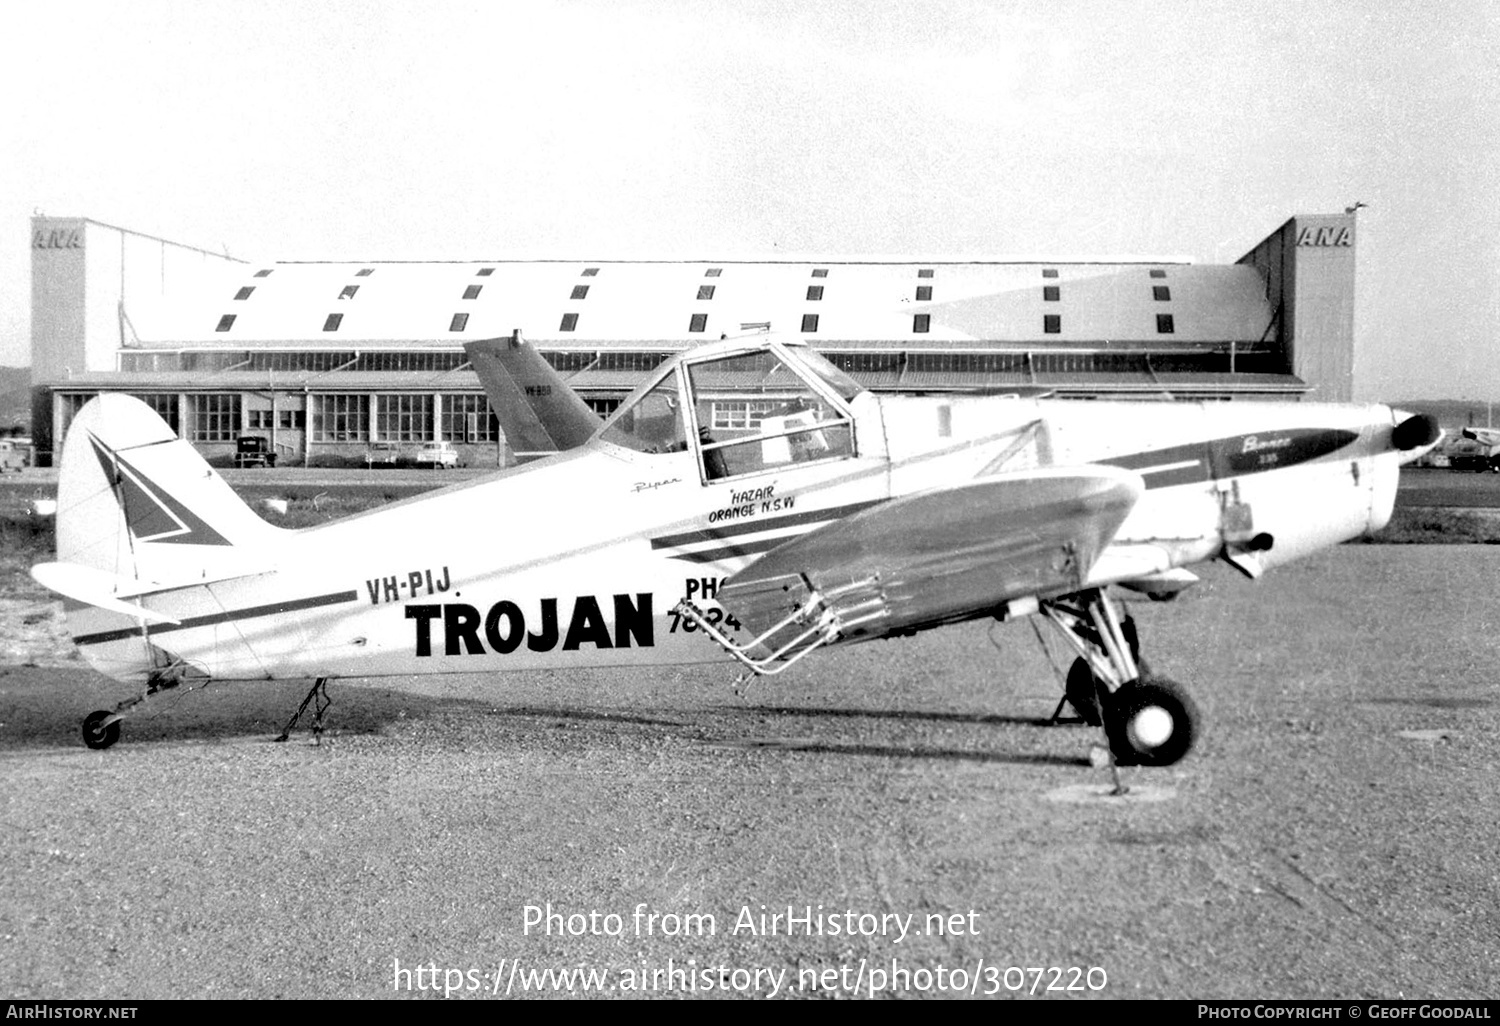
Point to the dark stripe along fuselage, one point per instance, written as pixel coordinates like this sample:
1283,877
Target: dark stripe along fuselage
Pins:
1189,463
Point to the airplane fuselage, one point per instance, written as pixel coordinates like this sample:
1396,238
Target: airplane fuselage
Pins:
578,560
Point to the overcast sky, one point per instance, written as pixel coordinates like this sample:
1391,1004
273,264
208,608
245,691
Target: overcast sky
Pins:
603,128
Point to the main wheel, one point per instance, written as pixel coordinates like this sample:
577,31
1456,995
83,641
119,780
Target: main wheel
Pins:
97,733
1151,722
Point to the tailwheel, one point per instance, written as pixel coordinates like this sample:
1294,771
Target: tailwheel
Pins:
101,729
1150,722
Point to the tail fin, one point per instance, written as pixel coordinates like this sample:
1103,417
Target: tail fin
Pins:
537,411
138,504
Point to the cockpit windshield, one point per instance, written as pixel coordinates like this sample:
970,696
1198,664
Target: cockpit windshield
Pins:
747,412
763,410
846,387
649,421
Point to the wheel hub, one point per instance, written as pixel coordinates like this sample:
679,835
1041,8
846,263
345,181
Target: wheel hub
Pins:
1151,727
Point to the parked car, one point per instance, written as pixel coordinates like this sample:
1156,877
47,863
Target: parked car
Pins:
15,454
1467,454
1476,461
438,455
253,451
387,454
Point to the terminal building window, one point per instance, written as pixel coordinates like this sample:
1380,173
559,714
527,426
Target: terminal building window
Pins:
814,293
1164,324
472,291
1051,293
809,323
740,414
348,291
215,417
317,360
921,323
333,322
569,322
706,291
1161,293
150,363
163,404
468,418
340,418
225,323
245,292
965,363
580,292
214,361
403,418
698,322
924,293
569,361
459,323
285,420
71,404
1052,324
403,360
630,361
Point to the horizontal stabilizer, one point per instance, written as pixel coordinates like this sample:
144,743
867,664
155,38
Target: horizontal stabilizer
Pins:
944,555
95,588
537,411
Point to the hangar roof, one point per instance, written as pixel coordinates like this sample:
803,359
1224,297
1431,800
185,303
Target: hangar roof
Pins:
558,304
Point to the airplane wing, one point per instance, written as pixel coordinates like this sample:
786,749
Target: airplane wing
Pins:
537,411
935,557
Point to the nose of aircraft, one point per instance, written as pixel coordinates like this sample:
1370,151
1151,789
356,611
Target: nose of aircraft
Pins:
1414,431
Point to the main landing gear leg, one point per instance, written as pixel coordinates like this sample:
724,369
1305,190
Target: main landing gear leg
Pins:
1148,720
319,693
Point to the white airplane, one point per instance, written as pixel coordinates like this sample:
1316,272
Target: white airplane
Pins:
749,502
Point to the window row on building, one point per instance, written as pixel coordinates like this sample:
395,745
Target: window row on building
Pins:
208,417
291,361
419,416
571,361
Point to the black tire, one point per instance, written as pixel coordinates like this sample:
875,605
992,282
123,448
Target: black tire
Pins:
1150,697
98,734
1082,689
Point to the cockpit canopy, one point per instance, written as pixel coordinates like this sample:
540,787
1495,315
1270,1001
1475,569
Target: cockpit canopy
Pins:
742,408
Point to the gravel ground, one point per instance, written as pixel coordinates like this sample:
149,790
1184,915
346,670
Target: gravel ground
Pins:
1334,834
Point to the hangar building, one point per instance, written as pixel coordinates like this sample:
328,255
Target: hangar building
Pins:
325,359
